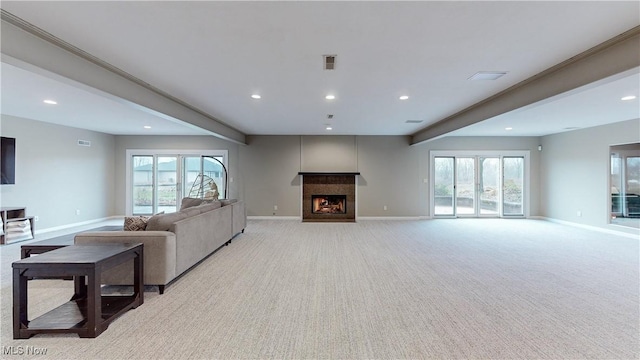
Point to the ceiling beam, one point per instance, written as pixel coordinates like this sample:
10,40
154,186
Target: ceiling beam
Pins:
619,54
27,46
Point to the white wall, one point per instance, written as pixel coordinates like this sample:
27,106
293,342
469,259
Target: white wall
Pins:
55,177
390,176
392,171
575,173
328,153
269,166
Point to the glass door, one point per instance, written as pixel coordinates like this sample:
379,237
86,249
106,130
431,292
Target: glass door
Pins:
489,186
443,186
513,186
143,188
167,184
470,185
632,187
157,180
466,186
155,184
209,166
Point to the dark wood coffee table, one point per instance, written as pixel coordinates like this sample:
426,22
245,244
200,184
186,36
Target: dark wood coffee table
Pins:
44,246
88,313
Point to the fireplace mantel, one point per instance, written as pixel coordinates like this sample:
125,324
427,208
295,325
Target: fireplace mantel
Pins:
329,173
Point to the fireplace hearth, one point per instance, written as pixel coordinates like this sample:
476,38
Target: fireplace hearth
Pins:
328,197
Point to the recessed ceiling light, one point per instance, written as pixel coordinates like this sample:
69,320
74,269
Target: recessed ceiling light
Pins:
50,102
147,127
330,97
508,128
630,97
329,128
488,75
256,96
403,97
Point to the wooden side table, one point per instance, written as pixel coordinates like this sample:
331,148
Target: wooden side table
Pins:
88,313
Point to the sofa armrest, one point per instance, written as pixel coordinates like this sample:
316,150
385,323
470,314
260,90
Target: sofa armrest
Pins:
159,254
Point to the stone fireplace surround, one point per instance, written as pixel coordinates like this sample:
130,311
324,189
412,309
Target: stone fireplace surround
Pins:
328,183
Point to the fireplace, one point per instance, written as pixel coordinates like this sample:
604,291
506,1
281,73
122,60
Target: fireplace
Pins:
328,204
328,197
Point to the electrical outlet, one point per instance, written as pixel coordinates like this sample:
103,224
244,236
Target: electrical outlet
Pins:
36,218
275,207
384,208
77,211
579,213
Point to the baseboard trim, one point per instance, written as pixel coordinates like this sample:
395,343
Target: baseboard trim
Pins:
274,218
366,218
74,225
399,218
591,227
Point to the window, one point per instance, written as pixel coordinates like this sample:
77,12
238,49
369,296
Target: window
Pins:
479,184
157,180
624,185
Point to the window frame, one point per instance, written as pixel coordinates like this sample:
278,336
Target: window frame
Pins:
180,153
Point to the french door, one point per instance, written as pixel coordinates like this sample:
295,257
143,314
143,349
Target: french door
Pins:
478,185
158,180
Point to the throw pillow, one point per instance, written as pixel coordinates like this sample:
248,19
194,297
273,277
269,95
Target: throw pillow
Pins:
189,202
135,223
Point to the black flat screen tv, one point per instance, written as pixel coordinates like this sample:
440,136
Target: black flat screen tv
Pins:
7,160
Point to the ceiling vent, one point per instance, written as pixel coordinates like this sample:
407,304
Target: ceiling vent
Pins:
329,116
488,75
329,62
414,121
84,143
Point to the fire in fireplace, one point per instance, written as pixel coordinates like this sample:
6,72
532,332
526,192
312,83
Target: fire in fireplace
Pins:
328,204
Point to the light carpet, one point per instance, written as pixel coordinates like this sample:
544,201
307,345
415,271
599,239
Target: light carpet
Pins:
435,289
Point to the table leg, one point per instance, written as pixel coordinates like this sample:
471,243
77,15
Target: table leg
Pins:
94,304
80,287
138,278
20,316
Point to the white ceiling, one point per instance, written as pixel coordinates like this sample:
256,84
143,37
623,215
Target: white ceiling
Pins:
213,55
23,93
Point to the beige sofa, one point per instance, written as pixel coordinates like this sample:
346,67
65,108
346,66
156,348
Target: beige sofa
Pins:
175,242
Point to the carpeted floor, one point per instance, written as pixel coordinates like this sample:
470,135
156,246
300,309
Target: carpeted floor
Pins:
443,289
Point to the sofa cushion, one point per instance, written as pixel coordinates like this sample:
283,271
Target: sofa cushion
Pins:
191,211
208,206
135,223
189,202
162,222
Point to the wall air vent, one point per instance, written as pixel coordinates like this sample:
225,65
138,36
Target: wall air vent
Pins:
84,143
414,121
329,116
329,62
